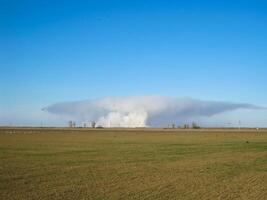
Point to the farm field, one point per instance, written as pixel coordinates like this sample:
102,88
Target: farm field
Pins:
50,163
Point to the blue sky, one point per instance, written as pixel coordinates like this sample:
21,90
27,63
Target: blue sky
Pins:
54,51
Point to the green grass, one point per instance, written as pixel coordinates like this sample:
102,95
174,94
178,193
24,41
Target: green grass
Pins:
133,164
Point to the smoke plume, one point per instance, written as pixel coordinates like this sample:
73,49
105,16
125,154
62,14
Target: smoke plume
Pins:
142,111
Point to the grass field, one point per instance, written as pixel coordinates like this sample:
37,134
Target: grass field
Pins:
133,164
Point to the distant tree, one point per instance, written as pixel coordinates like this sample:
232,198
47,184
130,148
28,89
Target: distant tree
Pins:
186,126
93,124
195,126
173,125
70,124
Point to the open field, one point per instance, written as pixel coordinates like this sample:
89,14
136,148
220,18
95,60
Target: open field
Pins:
133,164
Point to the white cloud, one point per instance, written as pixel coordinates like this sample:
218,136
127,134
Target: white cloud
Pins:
142,111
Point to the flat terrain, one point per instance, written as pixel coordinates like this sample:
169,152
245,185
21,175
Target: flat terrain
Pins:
133,164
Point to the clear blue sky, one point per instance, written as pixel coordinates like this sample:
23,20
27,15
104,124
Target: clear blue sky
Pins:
52,51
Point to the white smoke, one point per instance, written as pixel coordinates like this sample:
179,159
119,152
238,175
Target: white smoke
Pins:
122,119
142,111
